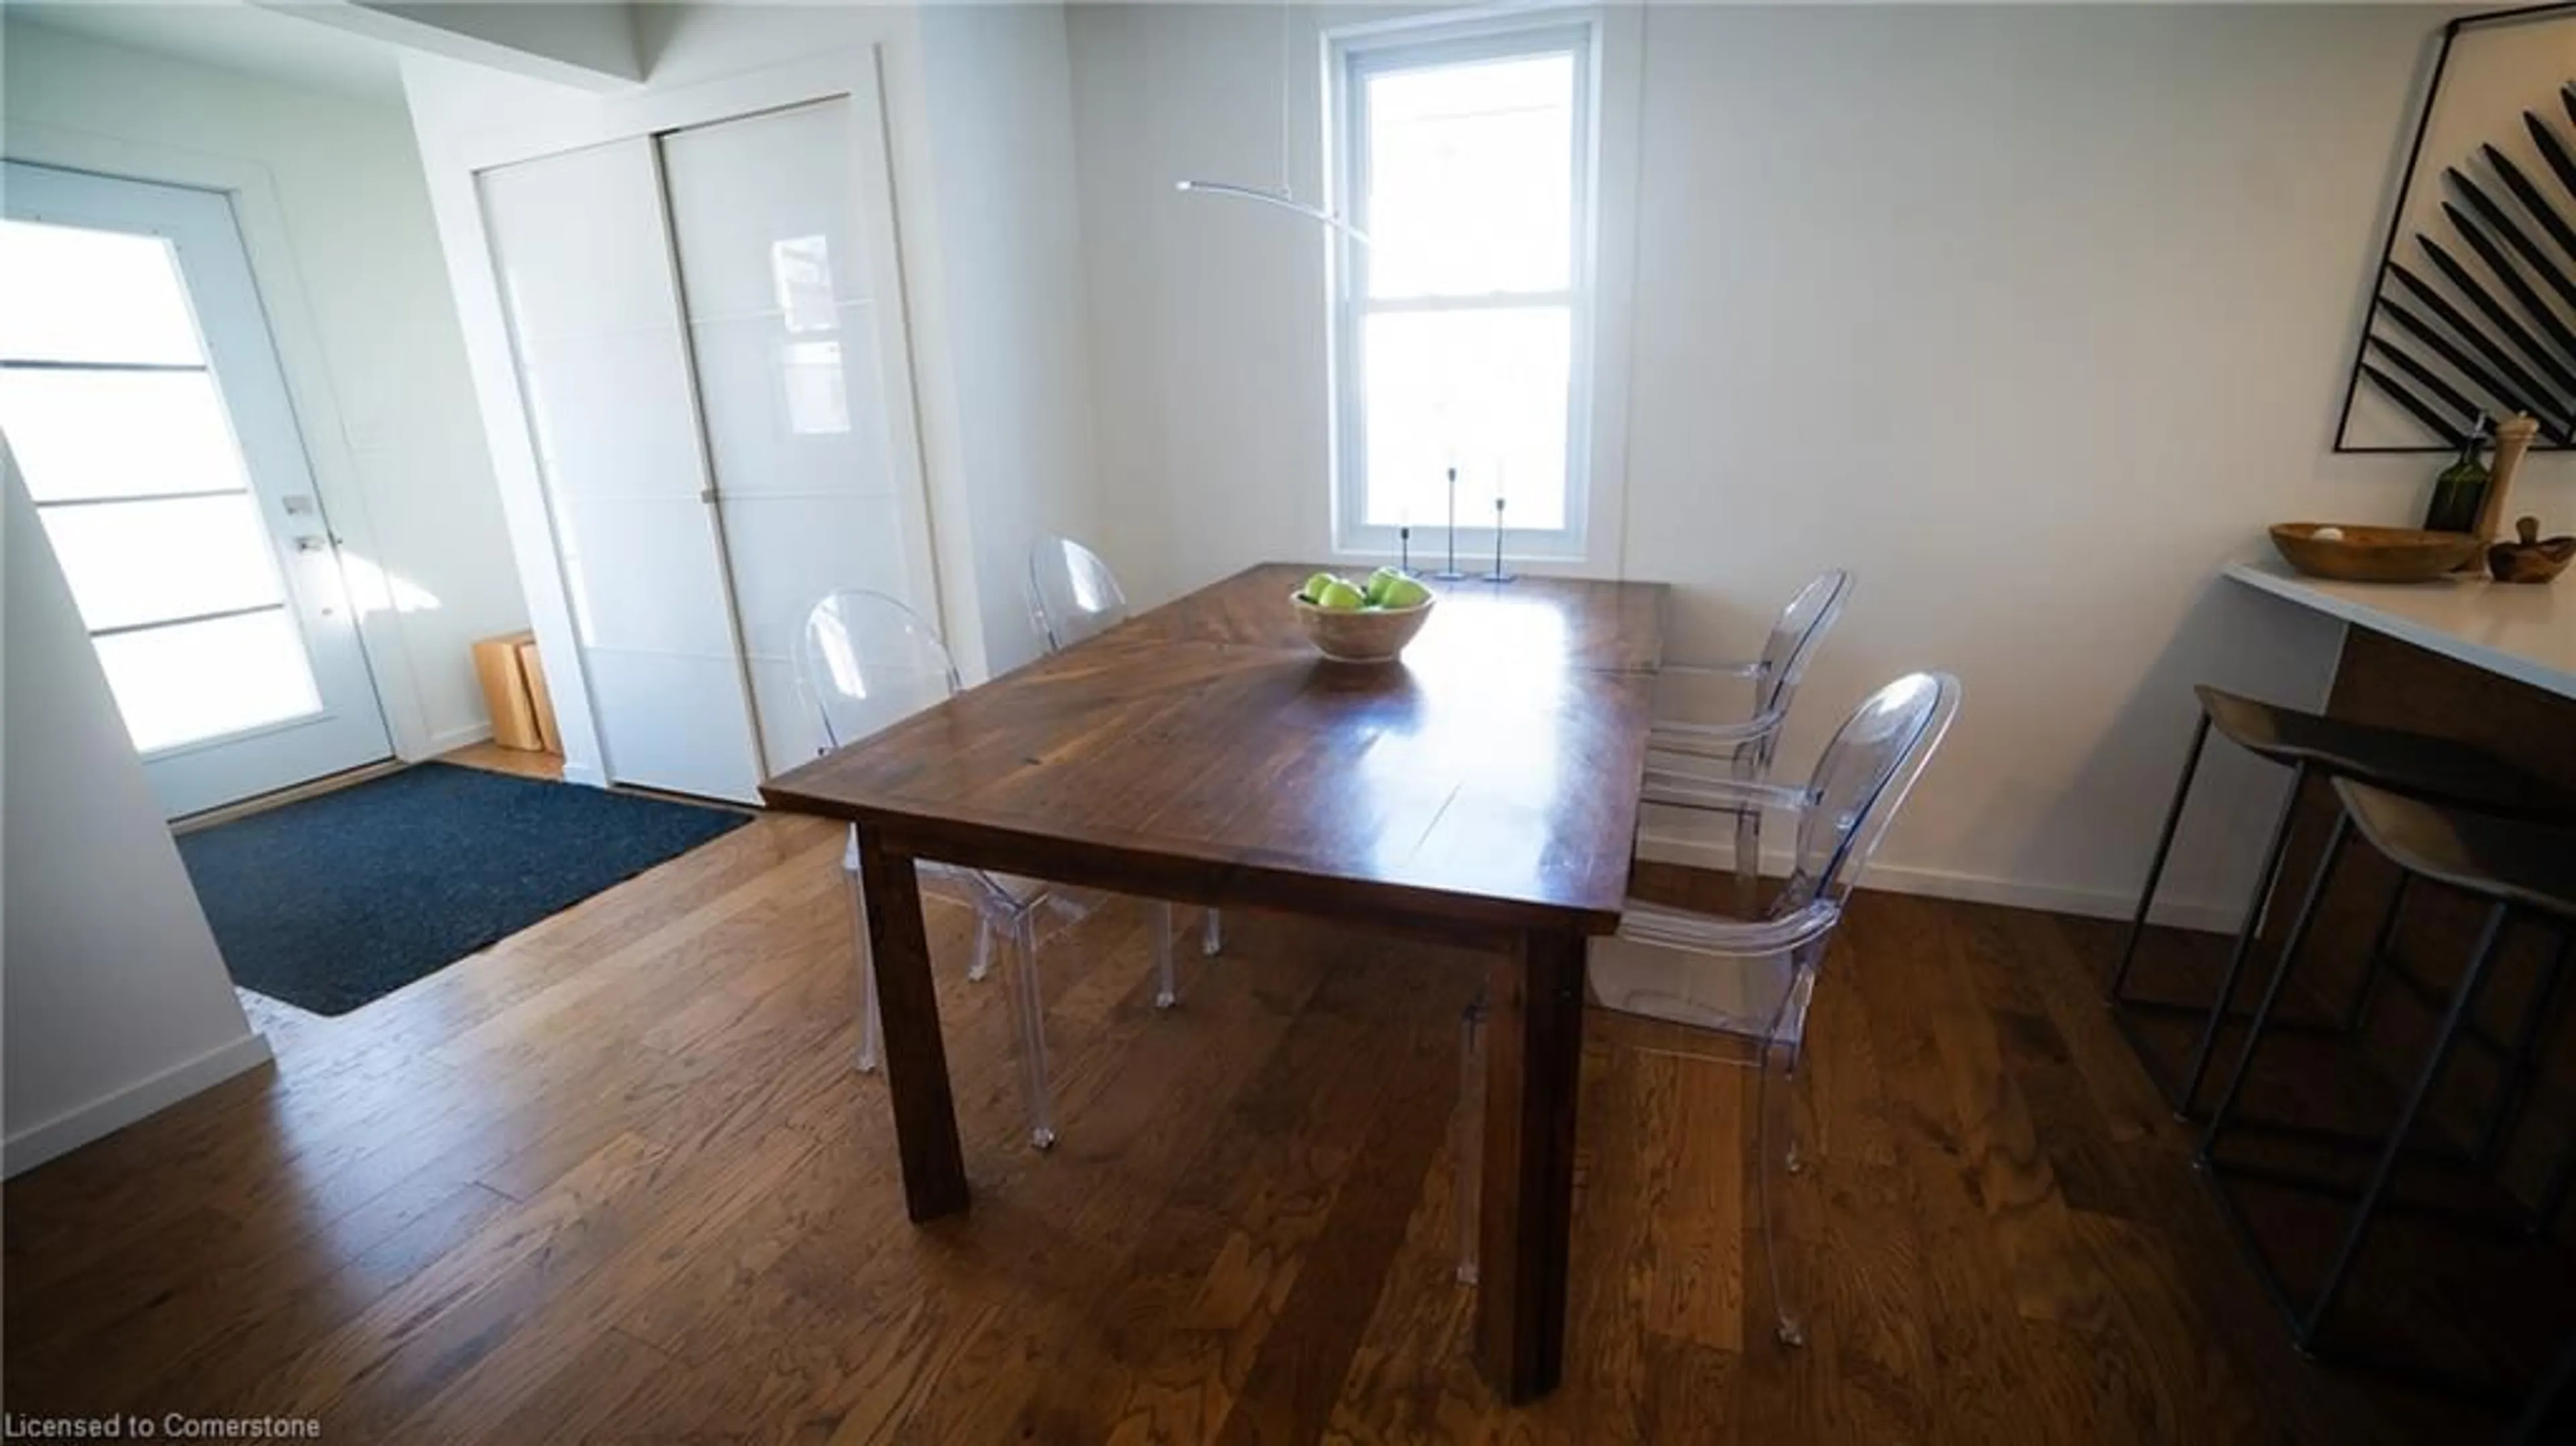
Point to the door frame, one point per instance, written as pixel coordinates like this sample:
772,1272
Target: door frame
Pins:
242,354
455,160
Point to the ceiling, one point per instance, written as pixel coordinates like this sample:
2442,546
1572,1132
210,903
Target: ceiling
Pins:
234,36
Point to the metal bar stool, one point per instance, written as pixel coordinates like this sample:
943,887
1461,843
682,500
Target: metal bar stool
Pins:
2420,765
2526,874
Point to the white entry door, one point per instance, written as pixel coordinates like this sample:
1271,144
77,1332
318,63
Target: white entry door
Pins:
141,396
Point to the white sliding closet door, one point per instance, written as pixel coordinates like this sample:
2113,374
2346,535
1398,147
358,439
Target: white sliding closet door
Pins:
708,328
580,247
783,227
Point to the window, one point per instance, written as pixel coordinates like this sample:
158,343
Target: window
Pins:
1462,330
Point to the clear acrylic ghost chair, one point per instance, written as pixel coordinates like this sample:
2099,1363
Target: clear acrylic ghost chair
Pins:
1750,981
1073,596
1742,748
868,662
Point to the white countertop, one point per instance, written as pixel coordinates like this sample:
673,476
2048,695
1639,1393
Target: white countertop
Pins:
2525,631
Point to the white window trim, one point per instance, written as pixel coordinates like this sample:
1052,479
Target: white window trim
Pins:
1605,188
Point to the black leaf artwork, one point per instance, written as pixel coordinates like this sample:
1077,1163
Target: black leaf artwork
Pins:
2475,307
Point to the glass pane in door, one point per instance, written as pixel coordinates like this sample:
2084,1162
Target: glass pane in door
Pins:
188,682
82,433
70,294
120,430
134,564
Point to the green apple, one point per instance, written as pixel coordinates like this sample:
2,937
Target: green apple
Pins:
1339,596
1313,591
1380,580
1404,592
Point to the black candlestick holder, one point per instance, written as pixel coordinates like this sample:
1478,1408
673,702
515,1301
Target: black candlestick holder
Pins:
1451,572
1498,575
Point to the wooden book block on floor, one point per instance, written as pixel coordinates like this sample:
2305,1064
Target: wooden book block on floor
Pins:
505,691
532,672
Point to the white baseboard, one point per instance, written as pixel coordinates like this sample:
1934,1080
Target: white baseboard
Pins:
2205,915
2210,916
67,1132
451,739
584,773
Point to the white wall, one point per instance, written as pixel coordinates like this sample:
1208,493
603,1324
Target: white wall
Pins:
113,998
1207,315
1004,255
335,217
2031,316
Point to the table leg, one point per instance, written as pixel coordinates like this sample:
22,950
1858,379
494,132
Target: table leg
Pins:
1533,1059
916,1059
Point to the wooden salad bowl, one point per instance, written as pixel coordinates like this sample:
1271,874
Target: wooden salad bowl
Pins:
2372,554
1361,635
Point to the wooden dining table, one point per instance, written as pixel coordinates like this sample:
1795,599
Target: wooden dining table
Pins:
1481,791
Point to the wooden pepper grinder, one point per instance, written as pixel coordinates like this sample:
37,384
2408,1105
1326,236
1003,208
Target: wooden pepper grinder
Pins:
2513,437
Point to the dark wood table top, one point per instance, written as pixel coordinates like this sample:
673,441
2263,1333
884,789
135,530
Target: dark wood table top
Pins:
1489,778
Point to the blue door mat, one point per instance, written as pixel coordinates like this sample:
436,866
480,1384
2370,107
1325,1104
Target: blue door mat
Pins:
340,899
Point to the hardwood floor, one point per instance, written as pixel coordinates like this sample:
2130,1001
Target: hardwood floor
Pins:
614,1179
526,763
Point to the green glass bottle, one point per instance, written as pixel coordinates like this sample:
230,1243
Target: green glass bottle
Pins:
2462,487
